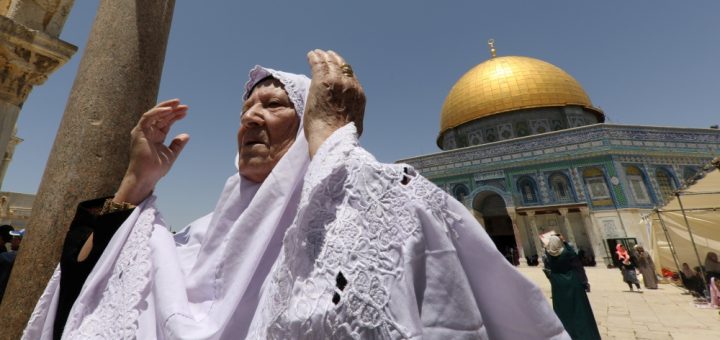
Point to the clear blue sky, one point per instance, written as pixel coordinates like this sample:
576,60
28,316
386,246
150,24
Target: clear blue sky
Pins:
643,62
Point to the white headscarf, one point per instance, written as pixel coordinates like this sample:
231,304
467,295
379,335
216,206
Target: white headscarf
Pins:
203,283
555,246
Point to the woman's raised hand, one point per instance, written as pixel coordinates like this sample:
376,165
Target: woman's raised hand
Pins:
335,98
150,158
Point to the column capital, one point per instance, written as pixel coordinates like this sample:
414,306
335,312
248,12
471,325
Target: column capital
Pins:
512,213
530,213
47,15
27,58
585,211
563,211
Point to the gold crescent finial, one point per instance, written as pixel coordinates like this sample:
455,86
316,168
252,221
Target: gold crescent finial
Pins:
491,43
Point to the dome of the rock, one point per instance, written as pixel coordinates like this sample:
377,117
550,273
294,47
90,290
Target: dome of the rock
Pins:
511,83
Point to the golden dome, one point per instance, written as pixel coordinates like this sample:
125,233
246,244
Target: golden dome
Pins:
510,83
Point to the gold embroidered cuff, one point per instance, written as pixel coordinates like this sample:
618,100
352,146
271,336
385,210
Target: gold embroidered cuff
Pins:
110,206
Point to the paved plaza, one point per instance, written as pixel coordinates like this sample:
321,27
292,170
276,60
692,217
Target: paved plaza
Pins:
665,313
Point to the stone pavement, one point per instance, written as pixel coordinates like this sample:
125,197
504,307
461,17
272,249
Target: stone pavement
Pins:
665,313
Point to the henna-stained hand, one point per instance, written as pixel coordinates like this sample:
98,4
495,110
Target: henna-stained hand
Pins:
335,98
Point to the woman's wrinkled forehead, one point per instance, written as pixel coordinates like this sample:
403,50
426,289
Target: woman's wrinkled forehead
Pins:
269,81
296,85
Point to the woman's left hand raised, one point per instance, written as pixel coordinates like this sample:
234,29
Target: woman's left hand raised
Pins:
335,98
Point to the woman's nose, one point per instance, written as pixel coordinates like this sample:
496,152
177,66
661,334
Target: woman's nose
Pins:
252,117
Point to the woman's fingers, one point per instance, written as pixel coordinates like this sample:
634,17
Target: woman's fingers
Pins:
169,103
336,58
178,143
326,64
166,121
151,117
318,66
161,109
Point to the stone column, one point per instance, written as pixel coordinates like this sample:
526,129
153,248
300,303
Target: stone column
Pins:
478,216
598,244
568,228
29,52
535,234
518,237
9,152
117,81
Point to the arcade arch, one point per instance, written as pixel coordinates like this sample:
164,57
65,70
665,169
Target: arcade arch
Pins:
491,211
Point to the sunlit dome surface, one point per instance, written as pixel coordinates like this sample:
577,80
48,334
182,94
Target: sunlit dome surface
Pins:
503,84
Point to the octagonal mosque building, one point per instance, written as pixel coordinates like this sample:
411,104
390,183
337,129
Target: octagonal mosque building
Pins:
525,149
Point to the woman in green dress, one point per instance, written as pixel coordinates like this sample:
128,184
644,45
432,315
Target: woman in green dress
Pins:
569,290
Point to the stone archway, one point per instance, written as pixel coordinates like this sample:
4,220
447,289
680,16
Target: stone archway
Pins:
491,211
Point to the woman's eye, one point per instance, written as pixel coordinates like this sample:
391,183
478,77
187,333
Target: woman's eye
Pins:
274,104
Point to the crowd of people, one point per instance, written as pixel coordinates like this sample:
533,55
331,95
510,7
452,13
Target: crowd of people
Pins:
703,282
569,283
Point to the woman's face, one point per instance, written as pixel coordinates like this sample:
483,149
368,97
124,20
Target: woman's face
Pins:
268,127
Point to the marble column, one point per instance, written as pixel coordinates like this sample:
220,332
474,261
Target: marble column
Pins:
535,234
518,236
117,80
9,152
598,244
570,237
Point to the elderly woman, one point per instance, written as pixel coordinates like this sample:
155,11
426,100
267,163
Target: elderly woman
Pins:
374,251
204,281
646,266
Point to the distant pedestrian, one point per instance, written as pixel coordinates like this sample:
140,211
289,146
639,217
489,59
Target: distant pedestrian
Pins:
714,293
7,259
712,266
647,268
569,290
628,267
691,280
5,237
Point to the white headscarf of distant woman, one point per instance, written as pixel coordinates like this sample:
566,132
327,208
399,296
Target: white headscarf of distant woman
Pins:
555,246
202,283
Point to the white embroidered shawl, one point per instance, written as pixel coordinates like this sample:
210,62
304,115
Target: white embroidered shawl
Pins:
204,282
378,253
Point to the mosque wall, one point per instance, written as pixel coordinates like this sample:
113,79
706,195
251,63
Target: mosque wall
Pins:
514,124
598,179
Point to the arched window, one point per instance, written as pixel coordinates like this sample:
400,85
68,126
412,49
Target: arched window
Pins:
666,182
460,192
527,189
595,182
689,172
561,187
636,181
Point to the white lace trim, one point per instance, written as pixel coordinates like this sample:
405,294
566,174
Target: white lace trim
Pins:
43,306
355,221
295,92
117,312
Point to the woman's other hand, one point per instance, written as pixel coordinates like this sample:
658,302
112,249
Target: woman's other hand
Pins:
150,158
335,98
